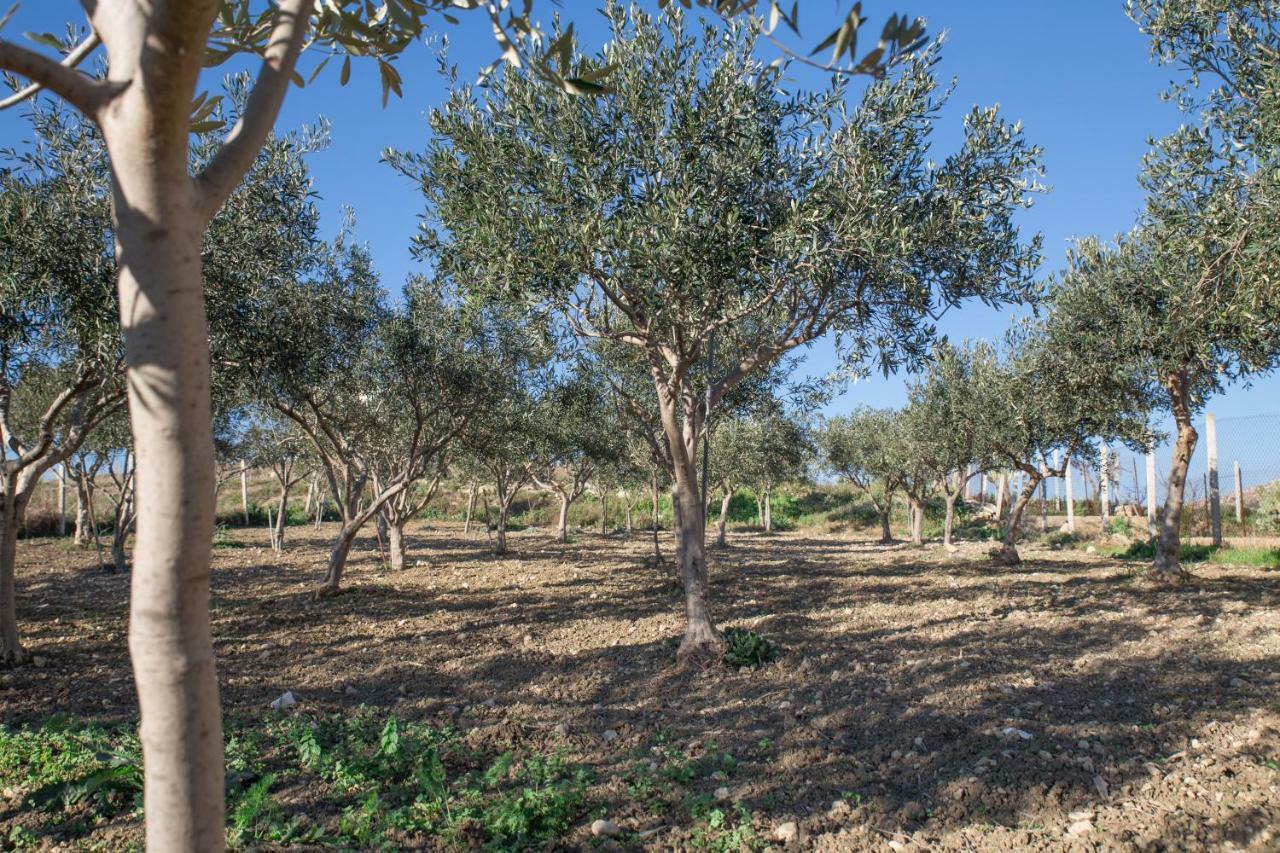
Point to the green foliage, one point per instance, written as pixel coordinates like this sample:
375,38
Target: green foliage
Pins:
1262,557
1267,515
744,647
386,778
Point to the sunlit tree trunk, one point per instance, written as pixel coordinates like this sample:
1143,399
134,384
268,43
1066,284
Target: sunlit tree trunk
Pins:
562,524
722,522
471,507
12,510
768,511
917,521
396,545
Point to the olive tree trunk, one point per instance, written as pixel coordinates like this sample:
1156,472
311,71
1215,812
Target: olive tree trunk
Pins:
12,510
948,523
722,521
701,637
562,523
1008,554
1167,567
768,511
396,545
917,522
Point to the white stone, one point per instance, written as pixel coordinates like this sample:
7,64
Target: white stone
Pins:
285,701
606,828
785,832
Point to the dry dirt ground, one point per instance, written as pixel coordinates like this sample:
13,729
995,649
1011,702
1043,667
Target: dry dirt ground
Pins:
923,700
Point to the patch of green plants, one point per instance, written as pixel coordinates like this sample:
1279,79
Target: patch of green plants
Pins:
723,831
1146,550
744,647
391,783
222,538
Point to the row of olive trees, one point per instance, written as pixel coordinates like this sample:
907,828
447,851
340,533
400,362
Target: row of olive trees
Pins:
164,204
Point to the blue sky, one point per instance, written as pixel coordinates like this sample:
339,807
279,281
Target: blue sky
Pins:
1077,75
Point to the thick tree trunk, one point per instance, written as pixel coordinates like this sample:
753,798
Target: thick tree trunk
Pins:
768,511
500,535
917,522
562,524
722,522
11,511
158,233
886,529
396,545
1008,554
1167,567
338,558
701,639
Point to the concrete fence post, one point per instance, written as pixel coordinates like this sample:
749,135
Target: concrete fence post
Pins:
1215,498
1239,495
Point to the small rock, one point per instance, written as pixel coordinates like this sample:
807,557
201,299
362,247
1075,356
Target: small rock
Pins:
285,701
1083,744
1080,827
39,661
786,832
1091,550
895,844
1235,682
349,690
722,793
1010,731
1083,814
744,670
609,735
782,706
605,828
840,808
560,729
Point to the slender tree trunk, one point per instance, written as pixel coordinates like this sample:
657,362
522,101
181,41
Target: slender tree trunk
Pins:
81,535
1002,495
768,511
311,491
948,524
917,522
396,545
1167,567
62,500
119,560
759,511
471,506
158,236
653,493
701,639
1008,550
562,525
628,509
282,516
604,512
722,522
11,512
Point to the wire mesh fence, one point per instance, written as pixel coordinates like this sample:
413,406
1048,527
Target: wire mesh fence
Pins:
1135,485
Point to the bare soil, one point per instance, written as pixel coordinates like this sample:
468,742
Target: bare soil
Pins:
924,699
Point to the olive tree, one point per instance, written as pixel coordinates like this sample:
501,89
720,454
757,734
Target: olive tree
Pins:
378,392
865,448
795,218
941,423
1041,403
1190,298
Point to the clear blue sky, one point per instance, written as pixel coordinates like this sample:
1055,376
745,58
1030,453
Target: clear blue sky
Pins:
1077,75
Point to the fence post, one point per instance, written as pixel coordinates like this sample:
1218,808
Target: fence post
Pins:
1239,496
1151,490
244,490
1104,487
62,499
1071,504
1215,499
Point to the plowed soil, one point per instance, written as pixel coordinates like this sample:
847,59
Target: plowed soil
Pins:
924,699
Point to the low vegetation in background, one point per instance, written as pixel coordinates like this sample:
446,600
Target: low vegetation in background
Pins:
362,780
1144,550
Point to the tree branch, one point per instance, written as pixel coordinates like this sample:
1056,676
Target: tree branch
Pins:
81,91
229,166
71,60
